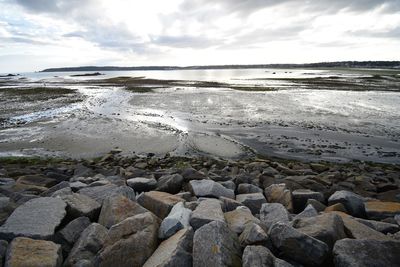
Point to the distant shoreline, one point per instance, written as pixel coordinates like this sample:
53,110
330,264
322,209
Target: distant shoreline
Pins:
346,64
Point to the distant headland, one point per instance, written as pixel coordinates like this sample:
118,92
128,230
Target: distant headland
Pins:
338,64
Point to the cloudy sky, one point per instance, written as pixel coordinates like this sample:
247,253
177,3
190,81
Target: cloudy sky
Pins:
36,34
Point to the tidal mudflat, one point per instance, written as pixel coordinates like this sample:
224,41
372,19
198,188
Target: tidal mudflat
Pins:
307,114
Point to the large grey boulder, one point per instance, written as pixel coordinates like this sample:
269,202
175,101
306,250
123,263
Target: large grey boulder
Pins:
229,204
366,253
99,193
253,201
382,227
170,183
271,213
176,251
33,253
252,234
278,193
248,188
177,219
298,246
160,203
117,208
209,188
259,256
141,184
327,227
309,211
239,218
301,196
130,243
79,205
207,211
71,232
55,188
192,174
215,244
89,243
38,218
353,203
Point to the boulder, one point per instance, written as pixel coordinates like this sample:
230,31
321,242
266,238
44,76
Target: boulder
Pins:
79,205
38,218
76,186
353,203
71,232
209,188
363,253
259,256
301,196
382,227
327,227
252,234
207,211
141,184
176,251
99,193
271,213
130,242
37,180
192,174
115,209
309,211
33,253
238,219
278,193
377,210
214,244
170,183
248,189
229,204
357,230
336,207
86,247
160,203
253,201
295,245
318,206
228,184
54,188
176,220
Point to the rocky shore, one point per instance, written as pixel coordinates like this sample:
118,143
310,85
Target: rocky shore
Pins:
176,211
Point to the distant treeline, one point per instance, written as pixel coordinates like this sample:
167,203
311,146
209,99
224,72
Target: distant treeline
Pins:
339,64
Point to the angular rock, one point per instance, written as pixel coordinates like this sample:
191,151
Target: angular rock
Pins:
76,186
336,207
62,192
115,209
228,184
37,180
38,218
29,252
309,211
353,203
175,251
382,227
209,188
160,203
377,210
239,218
130,243
99,193
271,213
278,193
207,211
298,246
79,205
357,230
259,256
55,188
248,189
176,220
318,206
301,196
252,234
253,201
192,174
327,227
89,243
229,204
363,253
141,184
215,244
170,183
71,232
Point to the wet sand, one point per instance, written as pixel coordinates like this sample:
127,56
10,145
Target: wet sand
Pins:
311,119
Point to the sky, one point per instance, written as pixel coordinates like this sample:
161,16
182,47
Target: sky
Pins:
38,34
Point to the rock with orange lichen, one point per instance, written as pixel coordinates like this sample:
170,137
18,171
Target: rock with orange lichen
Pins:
377,210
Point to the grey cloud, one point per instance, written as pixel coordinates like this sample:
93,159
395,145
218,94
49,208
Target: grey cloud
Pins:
185,41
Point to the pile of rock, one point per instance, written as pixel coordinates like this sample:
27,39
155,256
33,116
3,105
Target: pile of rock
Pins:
148,211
